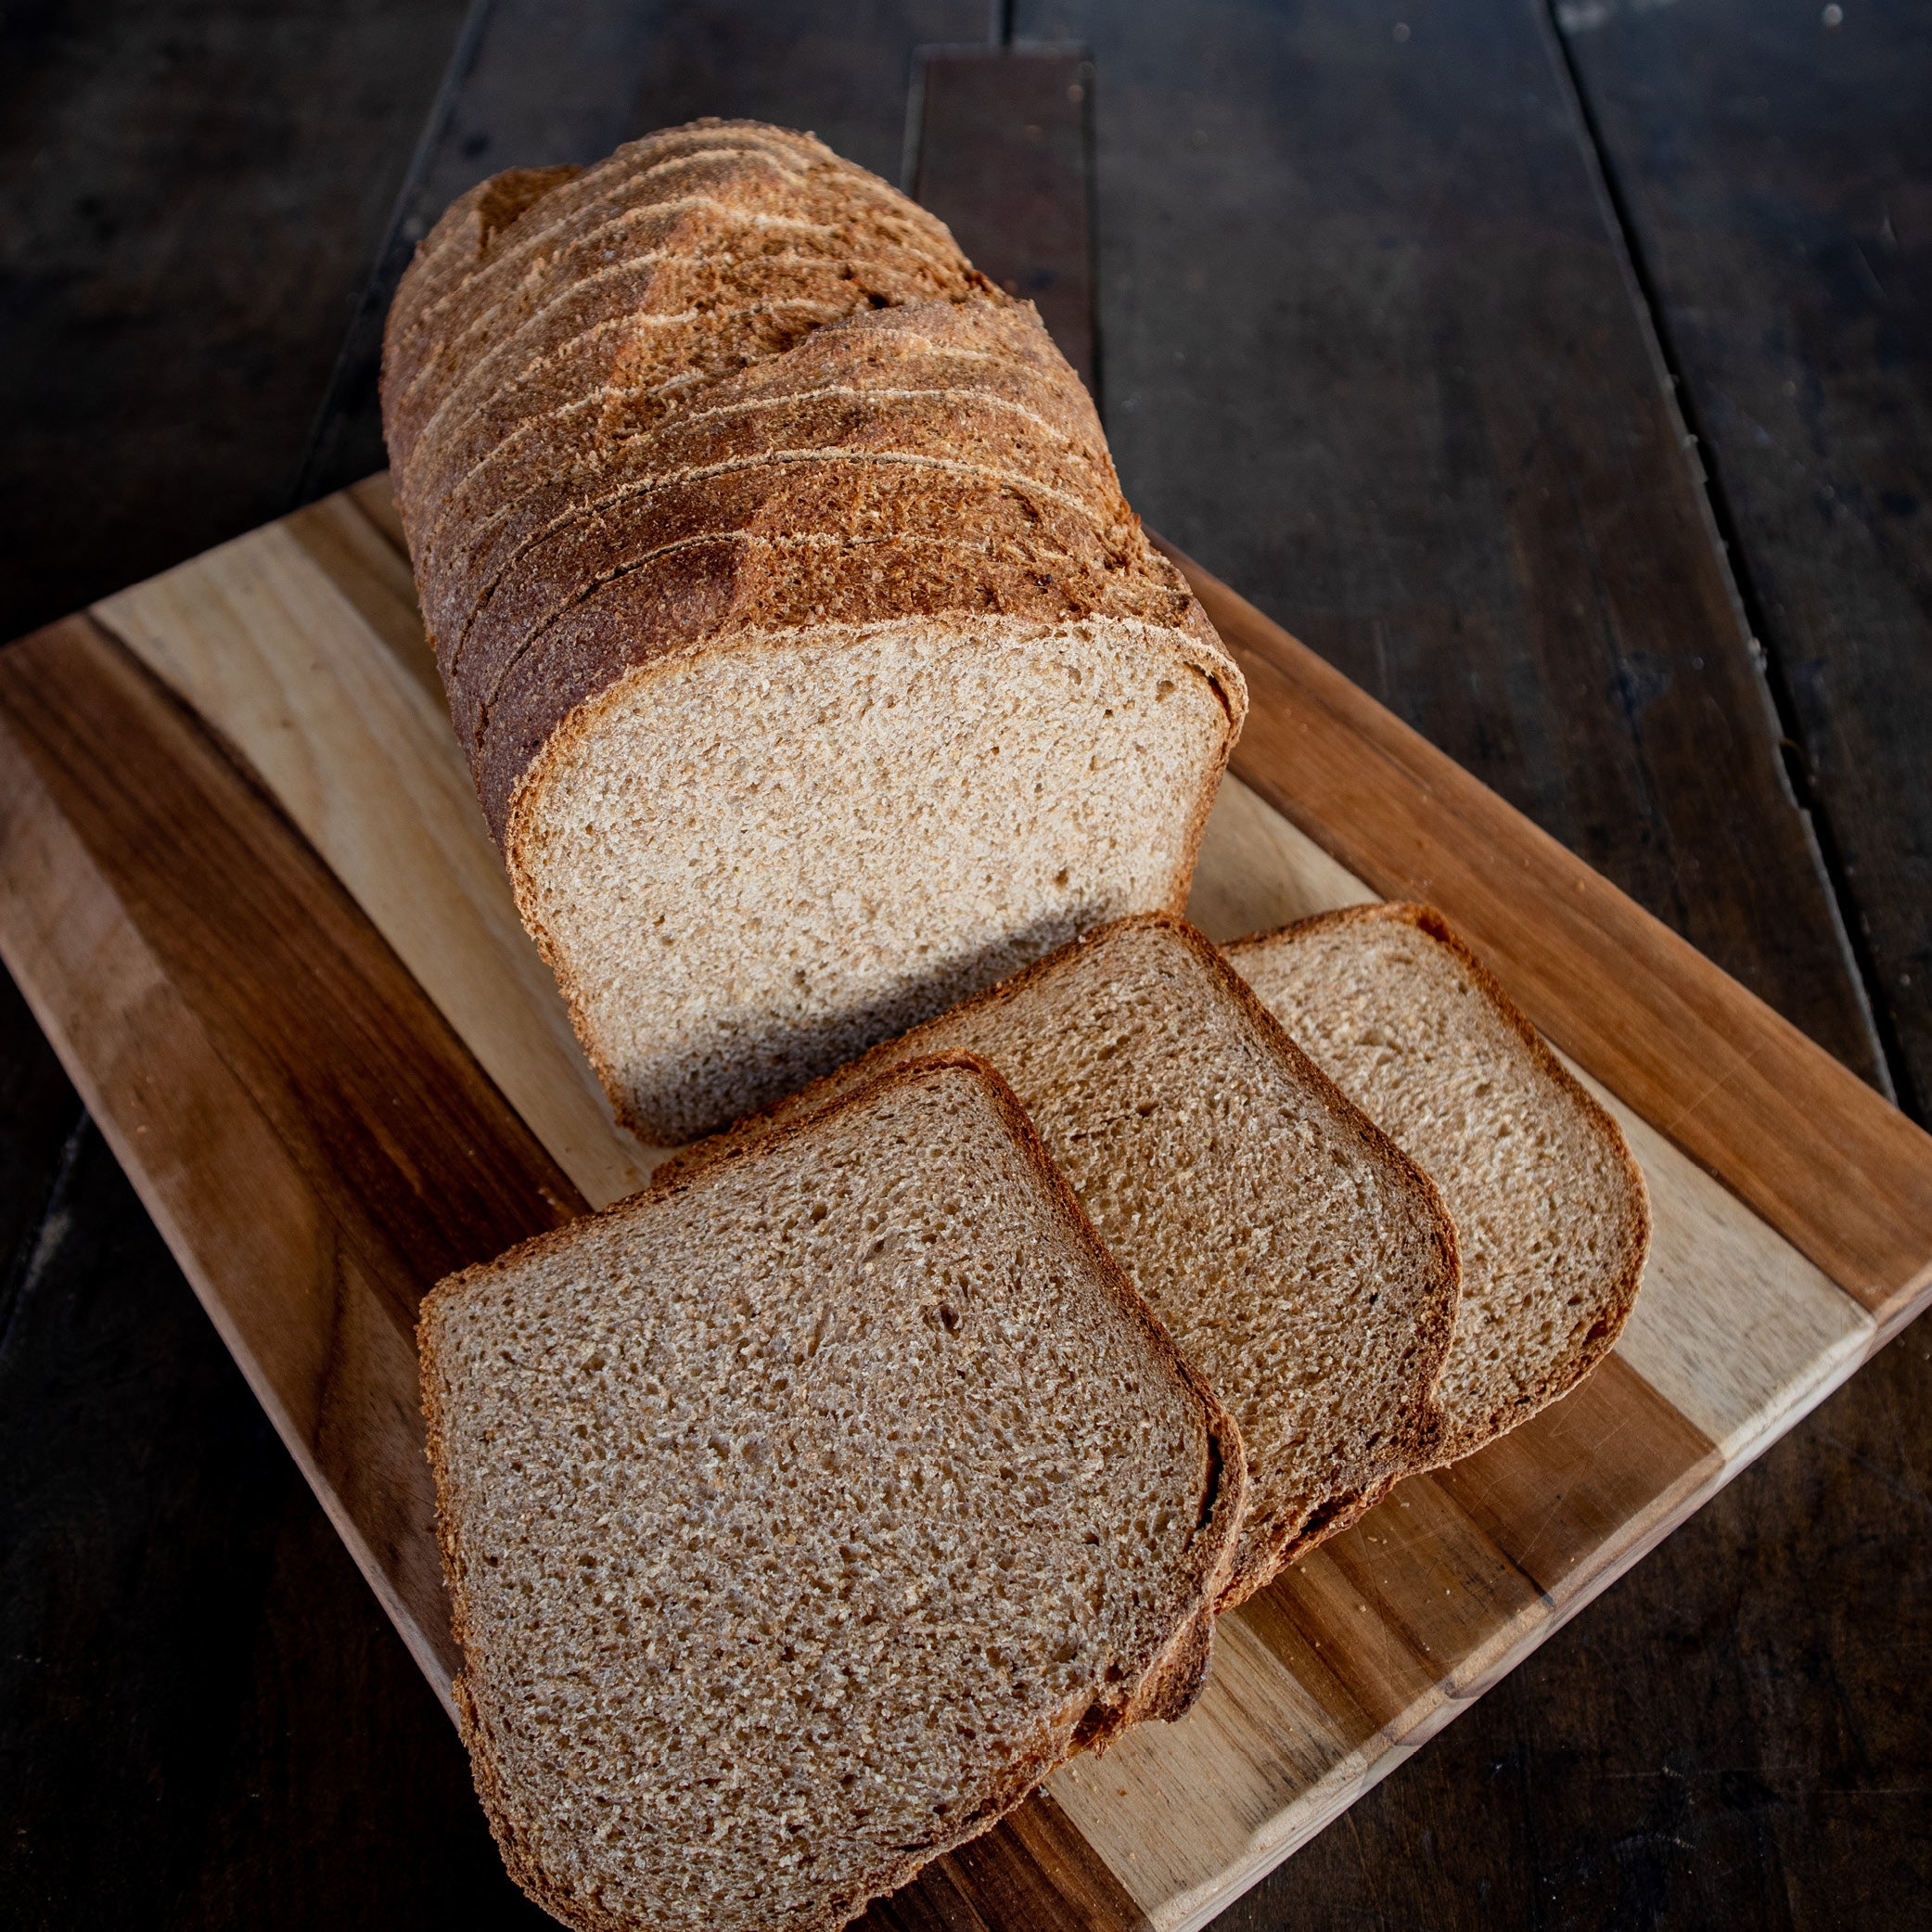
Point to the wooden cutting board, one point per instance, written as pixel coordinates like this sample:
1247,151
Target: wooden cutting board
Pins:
245,884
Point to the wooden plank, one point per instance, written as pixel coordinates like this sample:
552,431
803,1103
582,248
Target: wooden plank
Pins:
39,1113
235,173
999,139
1765,1334
222,1728
222,1724
1844,1177
315,1144
1373,354
1036,1869
1361,1654
1323,1684
1776,168
300,645
1565,1495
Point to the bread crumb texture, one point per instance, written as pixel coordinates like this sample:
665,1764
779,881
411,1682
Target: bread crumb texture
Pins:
975,794
740,504
1550,1211
795,1518
1299,1260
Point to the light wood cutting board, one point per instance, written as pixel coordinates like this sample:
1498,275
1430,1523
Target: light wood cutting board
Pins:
245,884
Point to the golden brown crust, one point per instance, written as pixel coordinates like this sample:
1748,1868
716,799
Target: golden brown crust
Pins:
574,514
480,284
1416,1432
752,231
1619,1294
843,502
1165,1688
871,402
569,401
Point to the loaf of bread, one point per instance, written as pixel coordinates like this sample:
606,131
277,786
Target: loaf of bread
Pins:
812,670
799,1518
1551,1212
1300,1259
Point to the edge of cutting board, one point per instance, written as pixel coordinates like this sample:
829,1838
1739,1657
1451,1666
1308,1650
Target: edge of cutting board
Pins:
342,1072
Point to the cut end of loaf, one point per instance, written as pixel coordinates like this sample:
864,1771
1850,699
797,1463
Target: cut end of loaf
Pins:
720,394
747,865
799,1518
1550,1211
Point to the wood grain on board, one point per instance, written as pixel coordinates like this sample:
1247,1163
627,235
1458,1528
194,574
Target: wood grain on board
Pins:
314,1142
1778,178
317,1132
314,619
1738,1738
1814,1151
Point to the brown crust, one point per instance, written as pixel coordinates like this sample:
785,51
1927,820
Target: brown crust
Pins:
1619,1294
682,568
565,423
1165,1688
508,255
503,256
1418,1431
716,225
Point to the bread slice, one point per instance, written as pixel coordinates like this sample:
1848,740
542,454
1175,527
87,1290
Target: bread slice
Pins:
799,1518
1300,1259
812,670
1550,1211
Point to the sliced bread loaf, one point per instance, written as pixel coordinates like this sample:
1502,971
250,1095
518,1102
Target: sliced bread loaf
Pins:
1300,1259
798,1519
741,505
1551,1215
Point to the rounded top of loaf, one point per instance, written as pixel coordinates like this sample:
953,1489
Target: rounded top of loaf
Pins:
719,387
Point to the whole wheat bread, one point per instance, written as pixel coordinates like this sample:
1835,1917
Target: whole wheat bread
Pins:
812,670
799,1518
1551,1215
1300,1260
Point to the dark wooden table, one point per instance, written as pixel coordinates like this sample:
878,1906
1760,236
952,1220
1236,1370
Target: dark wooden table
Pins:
1566,378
